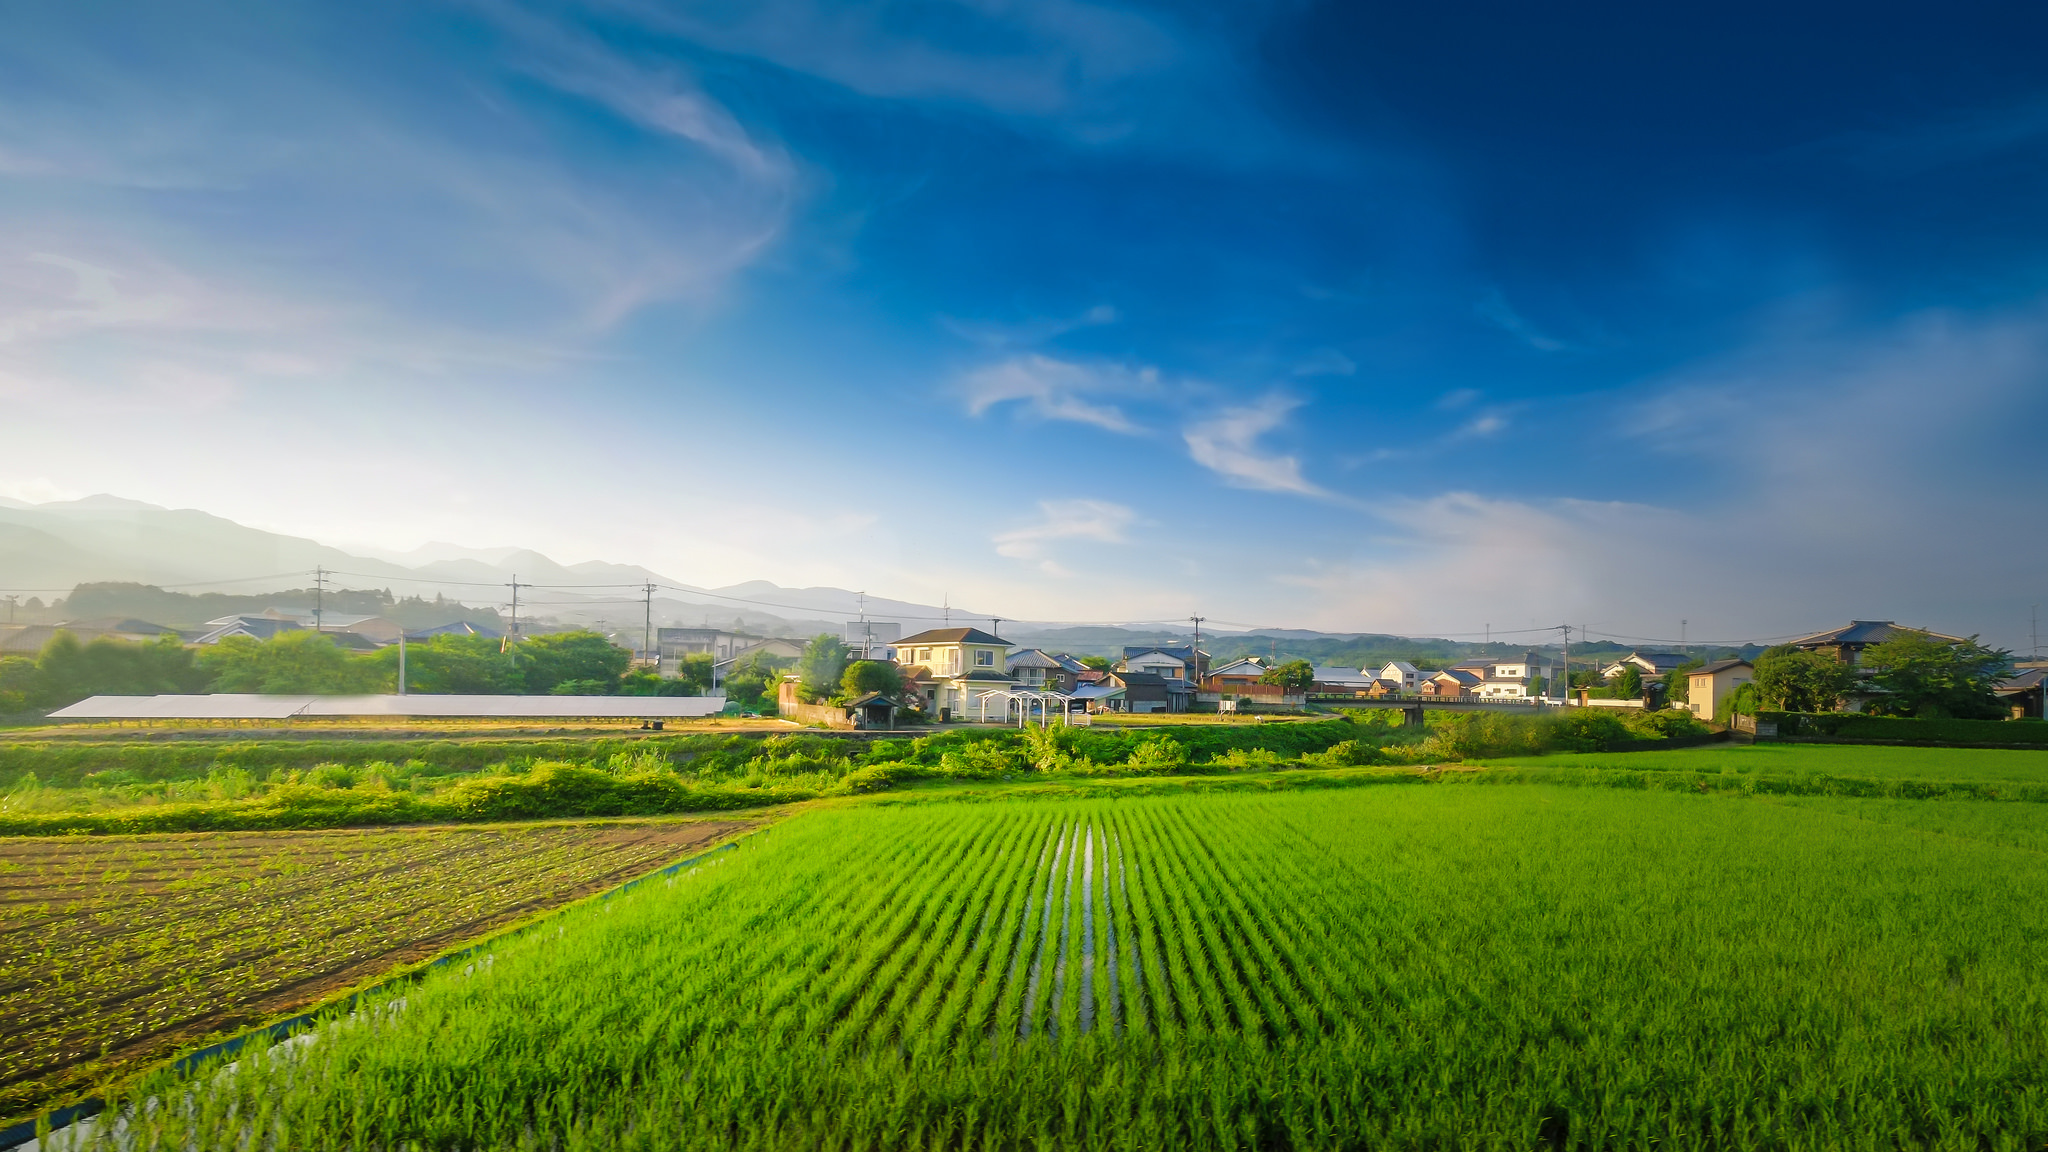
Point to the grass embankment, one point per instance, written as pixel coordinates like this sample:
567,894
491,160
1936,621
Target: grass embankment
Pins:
59,787
1418,967
115,952
156,788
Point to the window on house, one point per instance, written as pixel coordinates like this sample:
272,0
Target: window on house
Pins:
983,658
924,655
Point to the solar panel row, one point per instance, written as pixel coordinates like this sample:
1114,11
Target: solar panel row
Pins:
254,706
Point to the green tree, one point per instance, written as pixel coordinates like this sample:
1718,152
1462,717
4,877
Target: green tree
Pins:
67,671
1920,675
548,660
821,666
1099,663
1678,681
749,684
1295,676
296,661
642,682
1789,679
865,676
1627,683
18,684
459,664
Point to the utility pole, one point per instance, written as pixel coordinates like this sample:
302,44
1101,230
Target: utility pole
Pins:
513,631
319,595
647,629
947,601
1196,660
401,662
1682,626
867,634
1567,662
2036,619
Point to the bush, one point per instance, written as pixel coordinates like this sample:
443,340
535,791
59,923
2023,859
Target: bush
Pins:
1855,726
1159,754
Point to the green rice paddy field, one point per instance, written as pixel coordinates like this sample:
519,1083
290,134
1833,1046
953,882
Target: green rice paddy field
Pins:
1965,765
1429,966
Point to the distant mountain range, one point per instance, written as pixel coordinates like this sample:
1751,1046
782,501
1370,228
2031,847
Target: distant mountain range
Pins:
48,549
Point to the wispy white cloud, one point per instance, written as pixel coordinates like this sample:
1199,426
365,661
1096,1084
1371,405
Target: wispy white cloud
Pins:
1494,307
1095,521
1056,389
1228,445
1484,424
1326,362
1029,332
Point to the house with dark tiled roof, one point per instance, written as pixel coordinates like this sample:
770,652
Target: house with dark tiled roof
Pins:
958,666
1848,642
2023,691
255,627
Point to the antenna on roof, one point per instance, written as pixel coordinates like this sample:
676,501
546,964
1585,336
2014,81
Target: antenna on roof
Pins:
995,625
947,602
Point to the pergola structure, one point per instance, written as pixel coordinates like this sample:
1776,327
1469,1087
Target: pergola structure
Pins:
1026,698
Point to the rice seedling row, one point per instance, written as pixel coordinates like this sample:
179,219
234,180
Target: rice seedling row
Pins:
1412,967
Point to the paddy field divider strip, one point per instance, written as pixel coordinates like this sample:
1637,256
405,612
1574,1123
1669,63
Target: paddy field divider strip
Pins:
37,1127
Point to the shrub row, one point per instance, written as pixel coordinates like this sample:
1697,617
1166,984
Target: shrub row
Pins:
1856,726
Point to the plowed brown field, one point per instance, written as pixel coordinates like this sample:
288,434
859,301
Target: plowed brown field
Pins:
116,952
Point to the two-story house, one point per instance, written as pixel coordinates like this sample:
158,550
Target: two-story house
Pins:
1404,676
1509,678
1235,676
956,665
1039,670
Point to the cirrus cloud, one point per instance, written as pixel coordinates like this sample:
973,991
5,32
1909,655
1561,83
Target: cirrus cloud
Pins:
1228,445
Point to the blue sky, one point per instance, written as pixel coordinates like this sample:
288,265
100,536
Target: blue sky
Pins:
1357,317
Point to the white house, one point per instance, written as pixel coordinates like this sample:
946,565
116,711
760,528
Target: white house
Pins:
1652,665
1402,673
1508,677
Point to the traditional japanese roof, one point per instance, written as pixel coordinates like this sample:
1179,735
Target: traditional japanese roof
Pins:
2022,681
953,636
1858,633
1720,666
127,624
260,627
1660,661
1032,658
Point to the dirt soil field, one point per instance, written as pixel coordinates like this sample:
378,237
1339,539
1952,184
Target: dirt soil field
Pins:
115,952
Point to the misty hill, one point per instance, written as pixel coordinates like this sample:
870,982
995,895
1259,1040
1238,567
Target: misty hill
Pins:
203,566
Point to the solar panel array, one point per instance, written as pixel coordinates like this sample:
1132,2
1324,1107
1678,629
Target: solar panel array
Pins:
254,706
